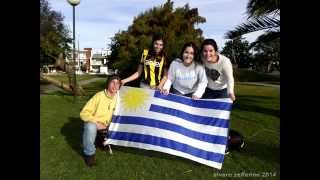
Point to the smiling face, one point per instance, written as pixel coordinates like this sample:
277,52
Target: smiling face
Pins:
158,46
188,55
114,86
208,53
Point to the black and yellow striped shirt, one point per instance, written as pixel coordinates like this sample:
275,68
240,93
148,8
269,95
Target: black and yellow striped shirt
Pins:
153,67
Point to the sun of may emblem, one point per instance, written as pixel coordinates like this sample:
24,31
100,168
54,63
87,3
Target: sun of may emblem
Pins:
134,99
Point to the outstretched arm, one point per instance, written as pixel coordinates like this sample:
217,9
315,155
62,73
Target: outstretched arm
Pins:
134,76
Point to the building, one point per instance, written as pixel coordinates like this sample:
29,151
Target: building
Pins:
99,63
83,58
89,60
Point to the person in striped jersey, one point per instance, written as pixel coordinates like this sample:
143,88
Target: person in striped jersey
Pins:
153,67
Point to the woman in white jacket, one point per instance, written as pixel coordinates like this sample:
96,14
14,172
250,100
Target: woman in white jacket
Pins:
187,76
218,70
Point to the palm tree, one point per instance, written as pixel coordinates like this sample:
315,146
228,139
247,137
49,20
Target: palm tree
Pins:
262,15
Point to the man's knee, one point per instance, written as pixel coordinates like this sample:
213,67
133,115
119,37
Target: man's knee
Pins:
90,126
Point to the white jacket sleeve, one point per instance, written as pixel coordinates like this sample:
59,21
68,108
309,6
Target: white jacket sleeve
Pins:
167,85
228,71
202,82
171,77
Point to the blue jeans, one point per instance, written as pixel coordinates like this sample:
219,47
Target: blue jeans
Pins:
215,94
89,137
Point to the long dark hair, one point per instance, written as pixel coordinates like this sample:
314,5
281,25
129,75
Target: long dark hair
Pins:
152,52
196,59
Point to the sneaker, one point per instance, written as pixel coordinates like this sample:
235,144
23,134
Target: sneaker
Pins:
227,152
90,160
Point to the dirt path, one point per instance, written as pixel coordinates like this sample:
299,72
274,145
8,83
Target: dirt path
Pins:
45,89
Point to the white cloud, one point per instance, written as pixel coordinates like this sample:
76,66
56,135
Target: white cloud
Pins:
98,20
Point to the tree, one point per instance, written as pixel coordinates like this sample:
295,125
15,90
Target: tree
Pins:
54,36
176,26
54,46
262,15
238,52
267,54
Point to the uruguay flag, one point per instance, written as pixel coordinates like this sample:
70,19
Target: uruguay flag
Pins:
177,125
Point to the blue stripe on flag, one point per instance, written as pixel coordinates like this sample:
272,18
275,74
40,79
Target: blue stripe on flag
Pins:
171,127
190,117
195,103
163,142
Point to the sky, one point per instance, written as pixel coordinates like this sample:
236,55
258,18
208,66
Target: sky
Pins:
97,21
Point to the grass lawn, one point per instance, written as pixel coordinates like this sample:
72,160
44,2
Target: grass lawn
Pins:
244,75
256,114
64,77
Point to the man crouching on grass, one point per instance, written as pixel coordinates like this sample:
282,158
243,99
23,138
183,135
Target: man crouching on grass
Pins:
97,115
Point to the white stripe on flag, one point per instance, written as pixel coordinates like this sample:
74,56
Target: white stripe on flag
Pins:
139,129
219,131
221,114
164,150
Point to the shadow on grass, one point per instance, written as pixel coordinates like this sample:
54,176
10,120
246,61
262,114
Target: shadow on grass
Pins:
249,103
44,82
72,131
264,152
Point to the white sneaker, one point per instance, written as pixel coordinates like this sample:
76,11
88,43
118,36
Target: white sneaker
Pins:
227,152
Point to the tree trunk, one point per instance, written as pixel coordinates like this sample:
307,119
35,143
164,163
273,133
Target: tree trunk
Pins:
65,86
269,65
235,72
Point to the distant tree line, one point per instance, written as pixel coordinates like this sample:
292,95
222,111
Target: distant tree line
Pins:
54,36
179,26
262,56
